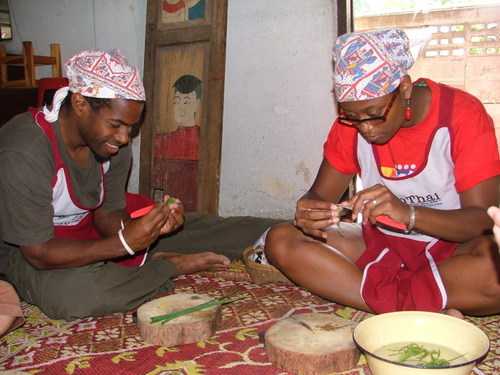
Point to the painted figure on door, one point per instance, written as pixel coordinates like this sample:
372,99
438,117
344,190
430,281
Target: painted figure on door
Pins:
184,142
182,10
177,152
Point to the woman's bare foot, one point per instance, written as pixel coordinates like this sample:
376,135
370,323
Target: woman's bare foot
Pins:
189,263
453,312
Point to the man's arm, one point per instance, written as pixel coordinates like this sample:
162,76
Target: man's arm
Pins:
109,223
139,234
67,252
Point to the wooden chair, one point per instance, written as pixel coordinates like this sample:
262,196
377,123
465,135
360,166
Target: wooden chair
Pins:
29,61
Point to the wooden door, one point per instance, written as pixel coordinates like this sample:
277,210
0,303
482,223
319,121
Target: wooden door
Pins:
184,82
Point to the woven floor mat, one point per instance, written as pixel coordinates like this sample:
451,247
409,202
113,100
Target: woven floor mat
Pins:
112,344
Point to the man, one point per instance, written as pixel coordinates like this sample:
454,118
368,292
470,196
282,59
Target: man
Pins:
63,220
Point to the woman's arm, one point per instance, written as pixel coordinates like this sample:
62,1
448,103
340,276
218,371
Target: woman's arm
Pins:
461,225
317,208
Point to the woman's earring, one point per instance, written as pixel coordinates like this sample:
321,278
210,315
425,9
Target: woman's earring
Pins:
408,111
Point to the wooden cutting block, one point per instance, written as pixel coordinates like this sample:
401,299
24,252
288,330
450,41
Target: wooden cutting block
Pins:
313,343
193,327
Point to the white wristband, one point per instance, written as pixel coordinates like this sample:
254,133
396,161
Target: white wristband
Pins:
124,243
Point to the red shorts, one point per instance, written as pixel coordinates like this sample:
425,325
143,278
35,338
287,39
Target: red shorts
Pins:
400,273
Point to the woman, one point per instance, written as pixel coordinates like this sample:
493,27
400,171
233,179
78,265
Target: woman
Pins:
428,159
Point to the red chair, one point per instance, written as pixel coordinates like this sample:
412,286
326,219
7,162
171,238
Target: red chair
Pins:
47,87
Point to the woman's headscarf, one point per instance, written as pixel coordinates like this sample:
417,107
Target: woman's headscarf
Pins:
371,64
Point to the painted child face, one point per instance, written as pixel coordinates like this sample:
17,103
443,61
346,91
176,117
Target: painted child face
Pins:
185,107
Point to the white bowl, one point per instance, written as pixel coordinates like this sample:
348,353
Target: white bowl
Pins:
424,328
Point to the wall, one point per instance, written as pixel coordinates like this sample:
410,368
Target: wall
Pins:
78,25
278,105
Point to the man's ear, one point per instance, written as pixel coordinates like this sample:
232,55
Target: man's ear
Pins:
80,105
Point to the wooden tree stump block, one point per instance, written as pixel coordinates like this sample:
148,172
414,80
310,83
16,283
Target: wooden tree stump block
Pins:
312,343
193,327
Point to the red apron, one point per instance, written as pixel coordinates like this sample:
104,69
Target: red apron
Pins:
400,270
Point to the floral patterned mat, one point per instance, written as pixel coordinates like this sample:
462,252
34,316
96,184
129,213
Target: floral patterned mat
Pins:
112,344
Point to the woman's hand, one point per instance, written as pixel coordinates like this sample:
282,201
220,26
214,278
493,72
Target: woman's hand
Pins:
313,215
379,200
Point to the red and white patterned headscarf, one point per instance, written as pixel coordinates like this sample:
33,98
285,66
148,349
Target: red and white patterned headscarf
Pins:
371,64
99,74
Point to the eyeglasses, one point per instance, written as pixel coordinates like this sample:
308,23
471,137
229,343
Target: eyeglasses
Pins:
370,120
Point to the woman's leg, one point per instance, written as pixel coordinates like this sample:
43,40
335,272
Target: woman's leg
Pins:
472,277
325,269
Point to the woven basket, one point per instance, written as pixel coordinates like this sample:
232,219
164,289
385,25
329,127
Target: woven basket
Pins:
262,273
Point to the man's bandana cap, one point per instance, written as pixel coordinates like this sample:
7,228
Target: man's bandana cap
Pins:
98,74
104,74
371,64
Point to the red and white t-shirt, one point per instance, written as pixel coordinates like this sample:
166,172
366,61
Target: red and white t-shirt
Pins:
474,150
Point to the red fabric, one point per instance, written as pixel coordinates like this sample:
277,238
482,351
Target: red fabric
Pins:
179,178
45,88
184,143
175,166
474,150
403,278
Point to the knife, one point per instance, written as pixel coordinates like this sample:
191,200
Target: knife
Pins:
384,220
146,210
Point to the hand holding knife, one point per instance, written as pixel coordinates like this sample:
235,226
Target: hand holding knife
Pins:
146,210
381,219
